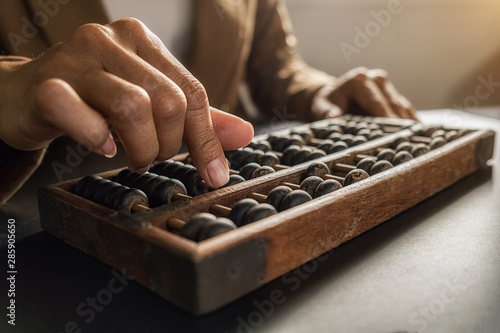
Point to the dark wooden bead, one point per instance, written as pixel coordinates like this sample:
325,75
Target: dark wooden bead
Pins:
398,141
334,128
215,228
164,191
179,172
315,154
122,176
269,158
263,145
234,179
258,212
294,198
326,145
101,191
419,149
327,186
279,144
112,194
347,138
131,179
89,191
289,154
239,210
262,171
358,140
335,136
355,176
247,170
401,157
366,164
320,132
191,180
170,168
276,195
451,135
438,133
142,180
386,154
375,134
301,155
364,132
380,166
404,146
307,135
339,146
128,198
310,184
316,169
84,183
437,142
253,157
195,224
160,167
374,126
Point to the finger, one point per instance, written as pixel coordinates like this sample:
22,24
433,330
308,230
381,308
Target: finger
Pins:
368,95
233,132
399,104
61,107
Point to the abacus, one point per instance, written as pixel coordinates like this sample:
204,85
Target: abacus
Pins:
293,195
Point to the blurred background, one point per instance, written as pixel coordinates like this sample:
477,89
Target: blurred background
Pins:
437,52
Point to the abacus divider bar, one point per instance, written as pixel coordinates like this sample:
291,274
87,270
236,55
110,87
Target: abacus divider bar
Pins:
219,210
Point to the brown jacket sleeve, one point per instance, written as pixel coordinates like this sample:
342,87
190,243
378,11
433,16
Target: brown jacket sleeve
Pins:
277,76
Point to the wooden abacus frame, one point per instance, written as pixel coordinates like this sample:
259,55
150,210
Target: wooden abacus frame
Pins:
202,277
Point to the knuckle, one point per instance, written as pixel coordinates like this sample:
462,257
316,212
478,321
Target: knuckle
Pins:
47,91
197,98
131,104
91,33
171,105
128,24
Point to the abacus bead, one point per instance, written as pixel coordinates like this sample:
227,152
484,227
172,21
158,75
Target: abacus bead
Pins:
84,183
128,198
234,179
339,146
258,212
215,228
358,139
171,167
316,169
401,157
253,157
310,184
262,171
315,154
437,142
375,134
263,145
386,154
239,210
301,155
111,195
247,170
419,149
327,186
89,191
268,158
451,135
320,132
131,179
288,155
366,164
195,224
279,144
438,133
276,195
141,181
333,128
122,176
101,190
179,173
355,176
164,191
399,140
347,138
380,166
326,145
365,132
191,180
294,198
335,136
404,146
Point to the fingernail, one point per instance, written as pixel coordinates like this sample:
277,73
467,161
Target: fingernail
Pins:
108,149
218,173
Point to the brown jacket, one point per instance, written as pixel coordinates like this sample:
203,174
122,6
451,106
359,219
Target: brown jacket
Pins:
234,41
